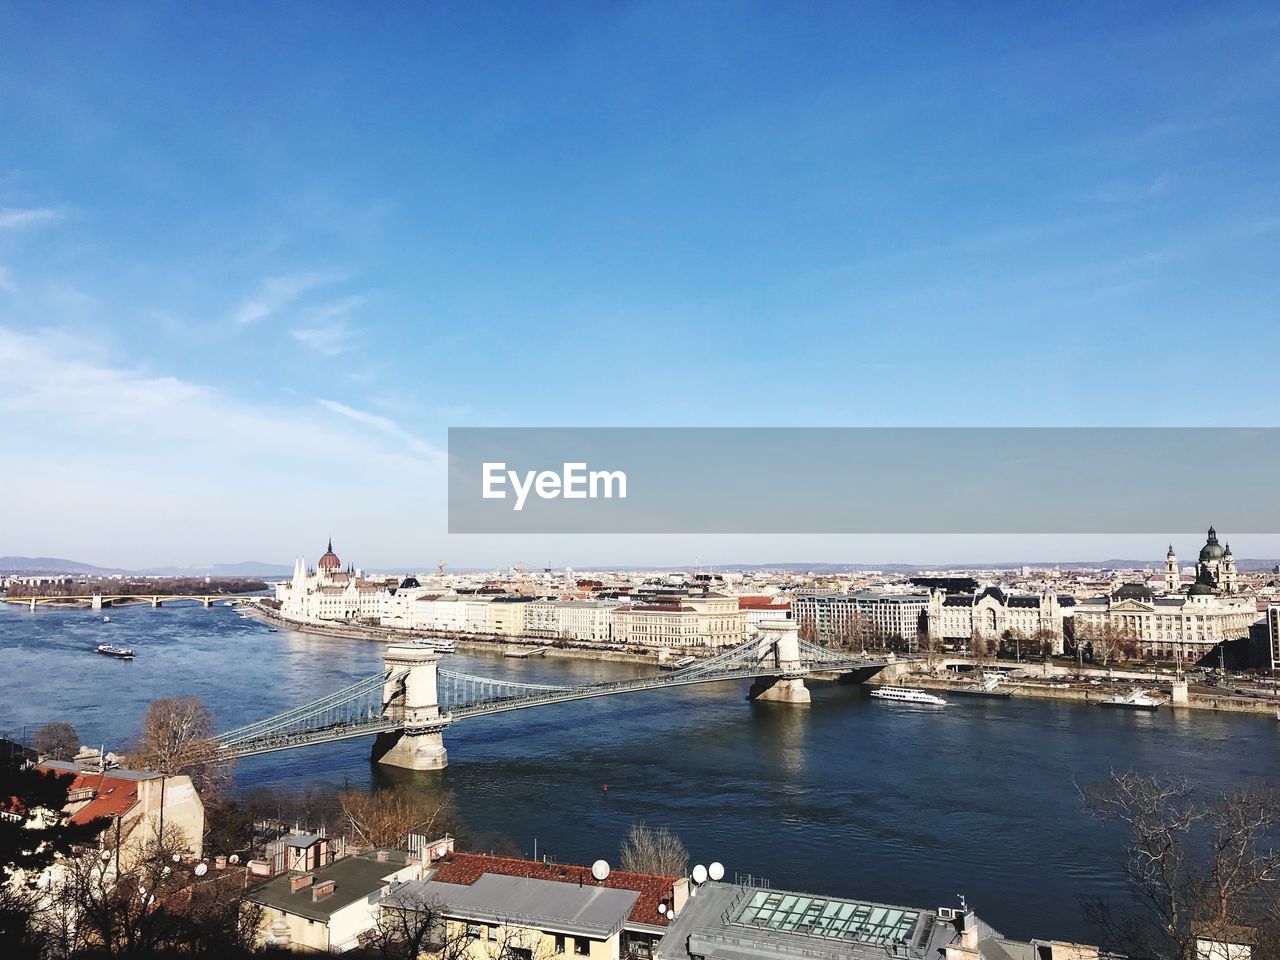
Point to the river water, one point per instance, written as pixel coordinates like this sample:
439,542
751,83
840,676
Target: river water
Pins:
849,796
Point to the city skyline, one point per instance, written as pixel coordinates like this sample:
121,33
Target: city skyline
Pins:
239,328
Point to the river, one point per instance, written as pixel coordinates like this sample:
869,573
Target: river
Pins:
849,796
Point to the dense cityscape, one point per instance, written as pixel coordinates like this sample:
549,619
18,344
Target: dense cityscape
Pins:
643,480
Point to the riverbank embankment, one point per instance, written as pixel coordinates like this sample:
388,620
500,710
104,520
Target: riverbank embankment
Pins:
465,642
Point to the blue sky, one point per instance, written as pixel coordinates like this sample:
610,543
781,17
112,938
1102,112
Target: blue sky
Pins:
255,259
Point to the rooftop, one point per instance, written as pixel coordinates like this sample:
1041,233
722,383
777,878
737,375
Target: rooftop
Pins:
548,904
730,922
467,868
355,878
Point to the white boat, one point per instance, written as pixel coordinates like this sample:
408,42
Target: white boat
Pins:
908,695
1133,700
441,644
106,619
111,650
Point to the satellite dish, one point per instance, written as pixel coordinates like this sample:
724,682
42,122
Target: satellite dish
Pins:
176,858
234,858
166,871
600,869
671,914
201,869
716,871
142,891
699,874
662,909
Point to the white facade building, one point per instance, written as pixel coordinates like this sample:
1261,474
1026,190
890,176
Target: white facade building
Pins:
329,593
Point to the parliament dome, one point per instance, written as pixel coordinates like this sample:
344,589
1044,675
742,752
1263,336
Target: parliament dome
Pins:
329,561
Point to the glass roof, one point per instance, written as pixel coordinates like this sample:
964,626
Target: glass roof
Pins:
824,917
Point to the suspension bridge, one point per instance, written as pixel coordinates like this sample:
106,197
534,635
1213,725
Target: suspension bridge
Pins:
410,703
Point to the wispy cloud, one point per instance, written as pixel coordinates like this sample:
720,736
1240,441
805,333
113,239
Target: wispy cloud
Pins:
6,280
152,443
16,218
327,329
1132,192
278,292
379,423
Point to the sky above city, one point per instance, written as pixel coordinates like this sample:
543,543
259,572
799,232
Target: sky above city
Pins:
255,259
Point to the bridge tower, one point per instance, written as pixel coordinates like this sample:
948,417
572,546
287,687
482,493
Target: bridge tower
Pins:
780,646
419,744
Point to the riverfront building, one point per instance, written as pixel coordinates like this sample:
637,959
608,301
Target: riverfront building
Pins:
1175,625
871,618
330,593
709,620
993,614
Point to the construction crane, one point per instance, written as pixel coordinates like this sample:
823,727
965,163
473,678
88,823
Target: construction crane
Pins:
440,569
520,578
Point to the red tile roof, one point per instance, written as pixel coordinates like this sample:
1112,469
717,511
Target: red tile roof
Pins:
112,796
762,603
467,868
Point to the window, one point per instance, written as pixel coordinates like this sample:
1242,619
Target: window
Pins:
493,932
521,953
559,943
473,931
582,946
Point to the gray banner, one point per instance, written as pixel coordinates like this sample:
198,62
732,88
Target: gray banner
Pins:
863,480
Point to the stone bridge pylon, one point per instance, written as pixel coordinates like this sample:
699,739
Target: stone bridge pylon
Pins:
779,646
410,696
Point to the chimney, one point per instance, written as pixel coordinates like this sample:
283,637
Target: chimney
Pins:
383,856
299,883
679,894
321,890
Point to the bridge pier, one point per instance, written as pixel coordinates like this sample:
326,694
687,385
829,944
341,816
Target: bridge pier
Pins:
780,641
206,602
96,602
33,604
155,603
419,744
411,751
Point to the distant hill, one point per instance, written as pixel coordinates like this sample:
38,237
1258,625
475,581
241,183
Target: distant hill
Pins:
249,568
51,565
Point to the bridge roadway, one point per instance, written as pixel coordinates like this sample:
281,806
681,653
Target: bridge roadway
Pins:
399,707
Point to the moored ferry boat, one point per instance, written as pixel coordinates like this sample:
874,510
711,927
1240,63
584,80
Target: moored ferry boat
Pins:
111,650
1133,700
908,695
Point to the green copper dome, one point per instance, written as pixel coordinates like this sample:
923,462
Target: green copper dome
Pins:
1212,549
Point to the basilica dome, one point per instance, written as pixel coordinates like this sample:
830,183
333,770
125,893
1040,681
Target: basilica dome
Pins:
1212,549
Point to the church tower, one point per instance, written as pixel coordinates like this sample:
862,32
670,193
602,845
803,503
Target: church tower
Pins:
1229,583
1172,578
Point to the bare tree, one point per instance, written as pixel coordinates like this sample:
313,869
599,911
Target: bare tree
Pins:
57,741
151,904
1195,867
653,850
177,737
385,818
1112,642
410,925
